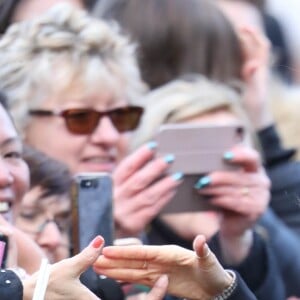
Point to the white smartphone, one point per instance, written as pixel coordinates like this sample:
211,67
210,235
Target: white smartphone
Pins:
198,150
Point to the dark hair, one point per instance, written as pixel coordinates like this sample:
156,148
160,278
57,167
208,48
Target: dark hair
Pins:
52,176
178,37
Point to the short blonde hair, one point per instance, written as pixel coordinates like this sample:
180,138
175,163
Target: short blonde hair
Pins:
32,53
185,98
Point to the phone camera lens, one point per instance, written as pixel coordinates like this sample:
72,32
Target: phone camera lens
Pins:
89,183
86,183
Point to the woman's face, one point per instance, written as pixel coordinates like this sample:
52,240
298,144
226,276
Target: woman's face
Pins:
98,151
14,173
47,221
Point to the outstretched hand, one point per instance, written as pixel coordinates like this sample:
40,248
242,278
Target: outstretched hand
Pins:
64,283
192,274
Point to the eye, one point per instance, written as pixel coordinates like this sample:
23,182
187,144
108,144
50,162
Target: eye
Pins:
63,221
13,154
28,215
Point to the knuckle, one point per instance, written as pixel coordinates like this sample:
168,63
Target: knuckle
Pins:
148,197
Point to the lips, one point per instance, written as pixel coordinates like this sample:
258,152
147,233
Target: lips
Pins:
99,163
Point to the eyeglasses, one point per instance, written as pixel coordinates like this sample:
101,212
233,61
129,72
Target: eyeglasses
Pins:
38,226
85,121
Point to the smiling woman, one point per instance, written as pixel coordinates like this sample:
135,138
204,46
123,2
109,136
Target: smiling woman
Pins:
88,103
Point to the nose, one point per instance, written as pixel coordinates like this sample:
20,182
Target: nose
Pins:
6,178
50,238
105,133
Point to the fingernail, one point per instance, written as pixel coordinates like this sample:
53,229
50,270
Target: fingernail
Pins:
177,176
152,145
228,155
202,182
205,252
97,242
169,158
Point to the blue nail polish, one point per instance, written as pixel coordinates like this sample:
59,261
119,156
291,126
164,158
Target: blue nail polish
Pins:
152,145
228,155
169,158
177,176
202,183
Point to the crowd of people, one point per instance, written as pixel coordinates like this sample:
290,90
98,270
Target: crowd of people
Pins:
84,87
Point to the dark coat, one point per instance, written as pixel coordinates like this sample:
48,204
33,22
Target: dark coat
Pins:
10,286
284,174
241,292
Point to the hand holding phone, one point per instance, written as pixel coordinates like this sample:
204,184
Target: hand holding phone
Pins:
198,150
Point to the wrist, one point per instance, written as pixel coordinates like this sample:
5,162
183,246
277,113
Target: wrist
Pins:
229,288
28,288
122,231
35,286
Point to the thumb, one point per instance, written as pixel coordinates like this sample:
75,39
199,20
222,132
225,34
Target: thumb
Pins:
200,247
159,289
204,254
82,261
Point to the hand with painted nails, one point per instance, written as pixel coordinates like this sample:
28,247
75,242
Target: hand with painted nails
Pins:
141,189
63,283
242,196
191,274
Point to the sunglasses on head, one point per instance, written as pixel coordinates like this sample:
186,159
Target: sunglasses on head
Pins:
85,120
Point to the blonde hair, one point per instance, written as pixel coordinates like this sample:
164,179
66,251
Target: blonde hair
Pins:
185,98
32,53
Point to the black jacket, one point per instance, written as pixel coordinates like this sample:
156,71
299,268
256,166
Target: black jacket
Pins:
284,174
11,287
241,292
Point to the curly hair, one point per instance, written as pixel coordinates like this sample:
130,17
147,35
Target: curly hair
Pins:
59,48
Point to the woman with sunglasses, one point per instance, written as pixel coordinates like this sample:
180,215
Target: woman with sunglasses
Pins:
74,83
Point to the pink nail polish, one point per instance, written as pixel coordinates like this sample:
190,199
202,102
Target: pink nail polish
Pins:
97,242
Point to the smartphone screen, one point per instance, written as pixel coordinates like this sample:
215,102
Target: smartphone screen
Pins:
92,209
